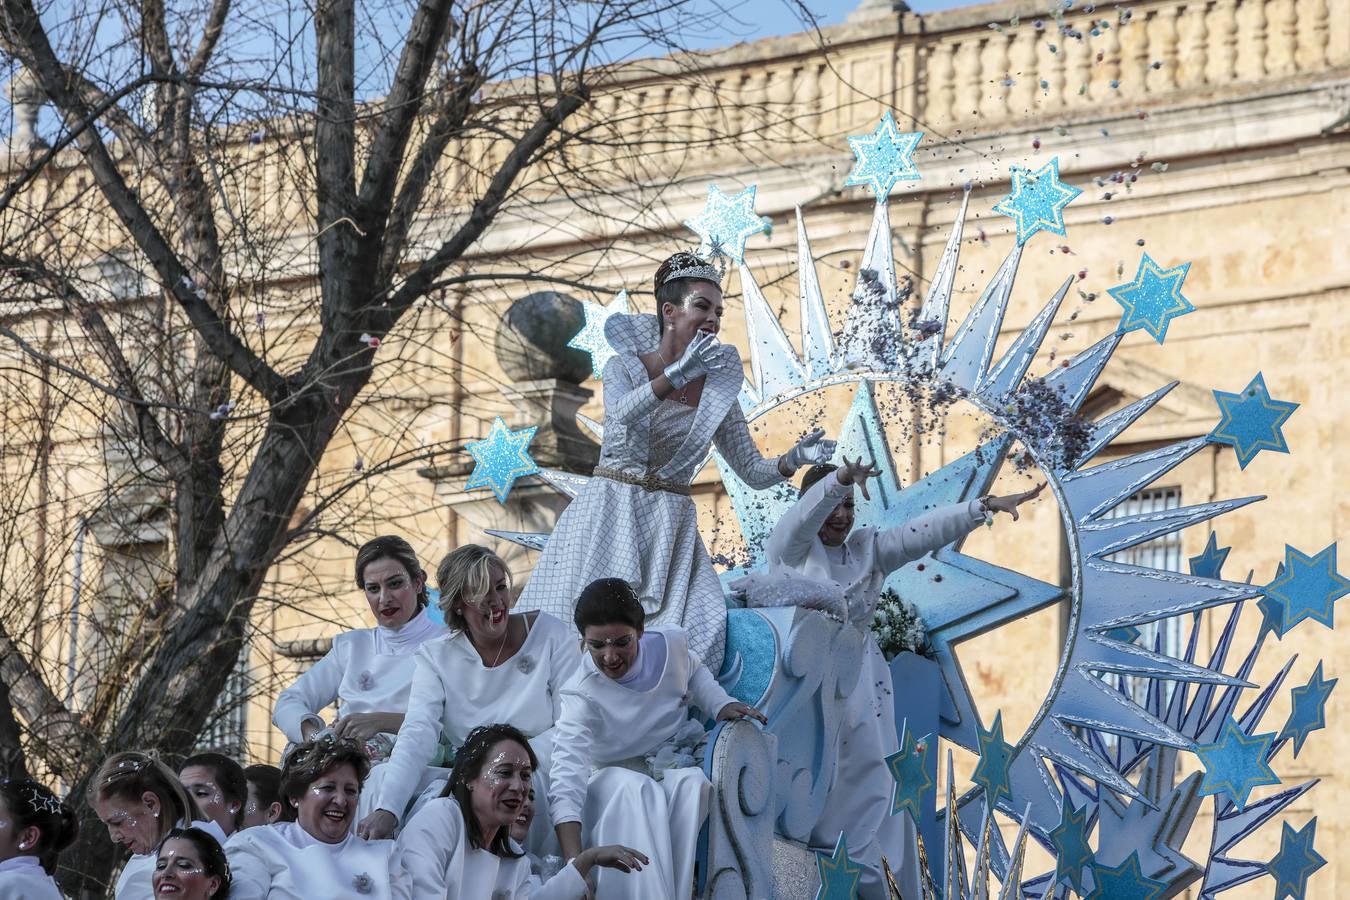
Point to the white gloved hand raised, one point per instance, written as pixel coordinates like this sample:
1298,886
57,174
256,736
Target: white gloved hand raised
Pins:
700,358
811,450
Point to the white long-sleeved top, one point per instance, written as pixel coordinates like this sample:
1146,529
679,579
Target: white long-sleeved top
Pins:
285,862
134,882
860,567
604,722
23,878
434,856
366,670
453,692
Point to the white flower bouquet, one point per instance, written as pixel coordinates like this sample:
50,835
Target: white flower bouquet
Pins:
898,628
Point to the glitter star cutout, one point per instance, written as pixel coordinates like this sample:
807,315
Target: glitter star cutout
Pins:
591,338
1124,882
1210,562
1037,200
1072,853
839,875
1308,588
1236,763
1296,862
1153,299
501,458
1251,421
726,223
991,773
1309,709
909,770
884,157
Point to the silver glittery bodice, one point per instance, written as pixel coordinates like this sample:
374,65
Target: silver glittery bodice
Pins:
670,424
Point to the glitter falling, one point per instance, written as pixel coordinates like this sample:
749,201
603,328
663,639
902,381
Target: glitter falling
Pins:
1037,200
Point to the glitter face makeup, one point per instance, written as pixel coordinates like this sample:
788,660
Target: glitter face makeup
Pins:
614,648
179,872
502,788
134,824
391,592
327,809
200,783
255,811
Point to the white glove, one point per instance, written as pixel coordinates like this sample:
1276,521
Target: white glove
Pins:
700,358
811,450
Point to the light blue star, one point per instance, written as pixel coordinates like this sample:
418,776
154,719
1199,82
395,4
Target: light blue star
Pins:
1124,882
1037,200
1153,299
591,338
1309,712
501,458
991,772
1236,763
1307,588
726,223
909,770
1296,862
884,157
839,875
1209,564
1072,853
1251,421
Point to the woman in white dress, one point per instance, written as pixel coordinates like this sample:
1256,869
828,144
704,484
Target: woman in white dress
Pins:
317,855
34,827
368,670
139,799
191,865
496,666
459,846
670,392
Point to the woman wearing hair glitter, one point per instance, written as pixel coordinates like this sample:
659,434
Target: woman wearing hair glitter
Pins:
191,865
34,827
670,392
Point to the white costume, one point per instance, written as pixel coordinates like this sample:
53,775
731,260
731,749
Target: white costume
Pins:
435,857
134,882
857,569
23,878
638,522
285,862
604,736
453,692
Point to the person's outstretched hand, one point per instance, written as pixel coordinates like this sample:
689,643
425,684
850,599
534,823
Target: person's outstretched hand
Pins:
857,472
811,450
1010,503
738,710
377,826
612,856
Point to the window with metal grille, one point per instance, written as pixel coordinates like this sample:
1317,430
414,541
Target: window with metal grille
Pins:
226,728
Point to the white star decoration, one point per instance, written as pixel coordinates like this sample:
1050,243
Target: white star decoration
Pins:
884,157
591,337
726,223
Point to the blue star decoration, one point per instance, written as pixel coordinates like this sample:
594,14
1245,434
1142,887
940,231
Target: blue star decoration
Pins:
1251,421
591,338
1209,564
991,773
839,875
1153,299
1072,853
909,770
1124,882
1307,588
1236,763
1037,200
1296,862
1272,613
501,458
726,223
884,157
1308,712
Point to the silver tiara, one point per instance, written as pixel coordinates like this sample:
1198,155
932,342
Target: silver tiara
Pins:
706,271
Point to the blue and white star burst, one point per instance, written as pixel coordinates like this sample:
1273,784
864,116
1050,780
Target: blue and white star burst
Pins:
1236,763
1070,841
1296,862
1309,709
501,458
909,770
1124,882
1037,200
884,157
591,337
1153,299
1251,421
991,773
726,223
839,875
1308,588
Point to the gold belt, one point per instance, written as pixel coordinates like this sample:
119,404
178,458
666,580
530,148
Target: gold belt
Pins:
648,482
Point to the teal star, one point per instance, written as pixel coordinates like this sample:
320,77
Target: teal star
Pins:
726,223
839,875
1309,709
1296,862
591,338
884,157
1072,853
1307,588
1124,882
501,458
1236,763
1209,564
1251,421
909,770
1153,299
991,772
1037,200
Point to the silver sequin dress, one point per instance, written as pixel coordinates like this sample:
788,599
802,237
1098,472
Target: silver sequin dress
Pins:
650,537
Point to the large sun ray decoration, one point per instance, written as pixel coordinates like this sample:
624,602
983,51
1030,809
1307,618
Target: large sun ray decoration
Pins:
1092,746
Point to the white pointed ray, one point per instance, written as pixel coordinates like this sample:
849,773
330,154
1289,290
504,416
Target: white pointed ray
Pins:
566,483
1005,377
1103,654
954,880
774,364
1053,740
1075,377
980,876
965,361
1117,595
871,338
817,339
1107,536
1108,428
1090,493
1088,702
939,297
526,539
592,426
1011,889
